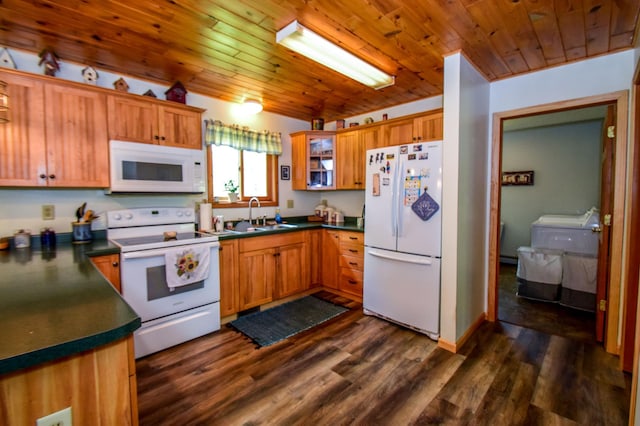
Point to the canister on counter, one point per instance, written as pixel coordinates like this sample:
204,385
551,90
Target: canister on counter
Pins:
22,238
47,238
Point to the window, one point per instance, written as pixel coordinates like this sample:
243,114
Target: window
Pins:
255,173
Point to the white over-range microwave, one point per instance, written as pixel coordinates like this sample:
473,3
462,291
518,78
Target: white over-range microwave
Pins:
147,168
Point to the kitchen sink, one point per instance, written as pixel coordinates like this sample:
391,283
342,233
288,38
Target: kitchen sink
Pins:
276,227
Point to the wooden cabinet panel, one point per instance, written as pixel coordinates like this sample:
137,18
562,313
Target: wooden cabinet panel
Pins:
371,137
22,139
257,275
77,141
134,120
109,266
292,270
351,237
313,158
96,384
350,161
330,258
228,277
428,127
179,127
351,282
398,133
57,135
314,254
137,119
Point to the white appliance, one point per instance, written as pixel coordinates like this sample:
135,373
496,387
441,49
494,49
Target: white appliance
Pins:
402,235
147,168
169,316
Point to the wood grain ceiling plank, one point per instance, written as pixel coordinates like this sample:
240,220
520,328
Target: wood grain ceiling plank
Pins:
572,28
543,18
475,44
517,22
489,17
598,19
624,16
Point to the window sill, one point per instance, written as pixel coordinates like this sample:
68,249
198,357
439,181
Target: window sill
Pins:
241,204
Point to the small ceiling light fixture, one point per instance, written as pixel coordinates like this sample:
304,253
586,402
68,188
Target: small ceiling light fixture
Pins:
4,102
251,106
306,42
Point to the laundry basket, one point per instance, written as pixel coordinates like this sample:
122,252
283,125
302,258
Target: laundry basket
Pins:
579,281
539,273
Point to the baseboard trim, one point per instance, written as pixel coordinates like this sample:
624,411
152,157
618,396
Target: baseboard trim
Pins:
455,347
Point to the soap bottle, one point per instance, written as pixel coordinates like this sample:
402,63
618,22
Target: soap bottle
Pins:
278,217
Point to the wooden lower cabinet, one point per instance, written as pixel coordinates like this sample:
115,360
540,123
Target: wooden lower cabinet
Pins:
351,263
314,253
271,267
109,266
228,277
330,258
99,386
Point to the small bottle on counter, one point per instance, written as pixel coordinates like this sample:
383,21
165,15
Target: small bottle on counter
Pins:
47,238
278,217
22,238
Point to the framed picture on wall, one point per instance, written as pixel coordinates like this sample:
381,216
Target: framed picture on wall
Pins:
285,172
517,178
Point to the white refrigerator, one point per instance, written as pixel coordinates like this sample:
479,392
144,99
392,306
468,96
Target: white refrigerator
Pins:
403,218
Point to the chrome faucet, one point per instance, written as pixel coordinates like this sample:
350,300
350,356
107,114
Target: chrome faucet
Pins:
250,215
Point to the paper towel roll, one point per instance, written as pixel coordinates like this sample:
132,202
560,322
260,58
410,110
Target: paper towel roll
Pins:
205,217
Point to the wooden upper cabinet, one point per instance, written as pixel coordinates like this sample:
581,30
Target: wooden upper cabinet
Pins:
77,142
22,139
57,135
428,127
397,133
137,119
350,160
313,160
134,120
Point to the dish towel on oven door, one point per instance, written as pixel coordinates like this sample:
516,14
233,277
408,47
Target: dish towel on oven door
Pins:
187,265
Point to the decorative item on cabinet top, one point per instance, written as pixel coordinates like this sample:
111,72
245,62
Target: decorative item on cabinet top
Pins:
177,93
49,59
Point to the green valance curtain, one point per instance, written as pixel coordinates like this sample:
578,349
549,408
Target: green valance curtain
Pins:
243,138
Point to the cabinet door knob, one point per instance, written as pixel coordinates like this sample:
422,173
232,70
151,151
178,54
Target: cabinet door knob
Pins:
114,264
43,176
156,137
162,138
52,176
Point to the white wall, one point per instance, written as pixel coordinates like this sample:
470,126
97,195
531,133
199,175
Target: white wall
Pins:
464,204
21,208
566,163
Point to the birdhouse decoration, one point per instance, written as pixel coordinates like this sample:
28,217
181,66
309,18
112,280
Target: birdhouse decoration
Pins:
121,85
90,75
149,93
49,59
6,60
177,93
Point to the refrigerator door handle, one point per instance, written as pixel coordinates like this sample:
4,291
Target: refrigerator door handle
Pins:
394,202
420,261
400,201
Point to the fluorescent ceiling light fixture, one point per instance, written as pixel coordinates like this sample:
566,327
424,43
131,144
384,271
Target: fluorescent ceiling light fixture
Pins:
251,106
307,43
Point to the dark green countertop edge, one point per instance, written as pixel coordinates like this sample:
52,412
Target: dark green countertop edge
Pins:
53,353
122,329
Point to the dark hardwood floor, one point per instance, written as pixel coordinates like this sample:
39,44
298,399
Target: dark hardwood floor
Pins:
550,318
357,369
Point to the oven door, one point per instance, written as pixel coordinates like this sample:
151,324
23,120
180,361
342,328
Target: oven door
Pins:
144,284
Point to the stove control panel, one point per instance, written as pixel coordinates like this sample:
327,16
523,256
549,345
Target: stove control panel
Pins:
149,216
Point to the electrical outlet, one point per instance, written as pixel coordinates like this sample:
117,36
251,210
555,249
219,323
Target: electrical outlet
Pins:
48,212
59,418
289,204
323,202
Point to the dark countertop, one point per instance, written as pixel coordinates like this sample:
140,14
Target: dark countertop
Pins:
55,304
300,223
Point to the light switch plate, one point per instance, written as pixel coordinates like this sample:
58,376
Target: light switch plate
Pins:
48,212
289,204
59,418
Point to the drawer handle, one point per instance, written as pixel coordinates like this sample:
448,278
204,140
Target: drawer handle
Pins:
353,263
354,238
353,250
352,282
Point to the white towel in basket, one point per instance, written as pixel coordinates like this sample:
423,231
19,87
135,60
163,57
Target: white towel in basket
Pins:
187,265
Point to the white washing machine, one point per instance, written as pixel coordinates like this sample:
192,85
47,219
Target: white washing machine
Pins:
569,233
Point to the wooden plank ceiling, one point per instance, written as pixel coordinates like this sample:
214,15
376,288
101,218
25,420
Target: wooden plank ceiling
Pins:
226,48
